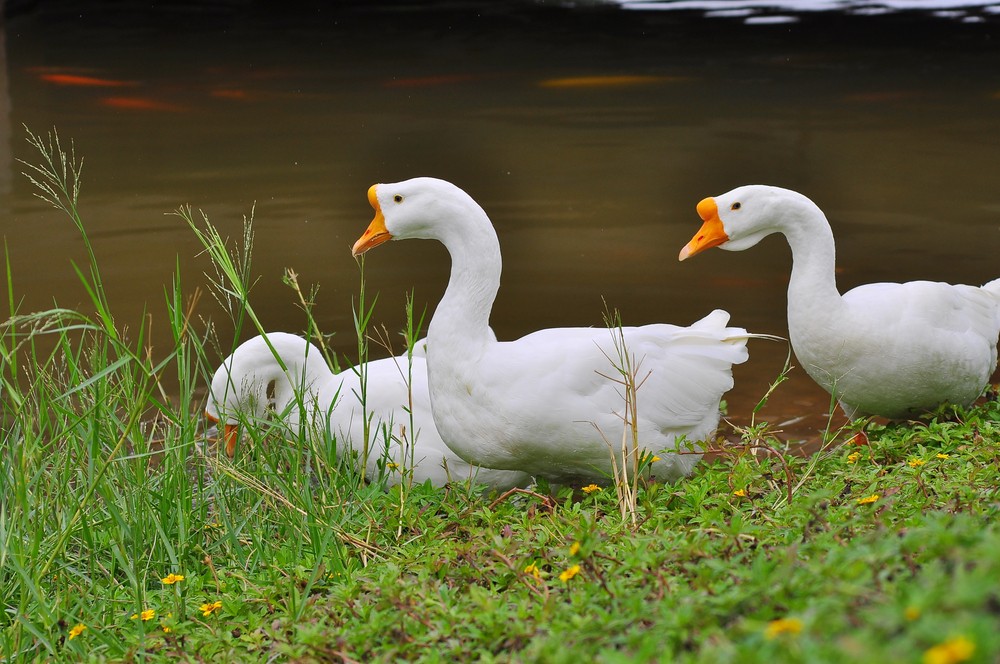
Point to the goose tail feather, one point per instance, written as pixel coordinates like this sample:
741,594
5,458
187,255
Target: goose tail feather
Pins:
993,288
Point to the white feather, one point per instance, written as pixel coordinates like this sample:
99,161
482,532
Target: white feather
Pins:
333,403
548,403
891,349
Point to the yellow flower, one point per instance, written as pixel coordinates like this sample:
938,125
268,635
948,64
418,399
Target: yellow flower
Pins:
574,548
954,650
943,456
654,459
392,465
166,629
915,463
569,573
776,628
209,609
171,579
76,631
533,570
868,500
911,613
853,457
148,614
742,493
590,488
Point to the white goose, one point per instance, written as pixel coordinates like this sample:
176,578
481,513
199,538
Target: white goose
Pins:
541,404
250,381
887,349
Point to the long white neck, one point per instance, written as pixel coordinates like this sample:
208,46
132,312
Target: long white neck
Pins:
813,284
461,321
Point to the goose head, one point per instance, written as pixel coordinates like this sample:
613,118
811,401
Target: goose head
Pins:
422,208
252,381
741,218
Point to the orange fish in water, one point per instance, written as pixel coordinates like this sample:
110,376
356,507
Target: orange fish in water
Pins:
85,81
604,81
141,104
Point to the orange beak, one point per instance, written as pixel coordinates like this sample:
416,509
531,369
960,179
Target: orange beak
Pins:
230,434
712,234
376,233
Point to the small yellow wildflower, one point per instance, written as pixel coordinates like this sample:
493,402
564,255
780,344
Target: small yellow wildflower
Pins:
911,613
392,465
941,455
209,609
569,573
853,457
166,629
574,548
742,493
591,488
868,500
776,628
915,463
76,631
654,459
171,579
952,651
148,614
533,570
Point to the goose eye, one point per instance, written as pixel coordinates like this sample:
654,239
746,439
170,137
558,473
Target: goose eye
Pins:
736,206
397,198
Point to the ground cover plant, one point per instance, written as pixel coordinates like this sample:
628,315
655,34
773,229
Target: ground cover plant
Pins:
125,536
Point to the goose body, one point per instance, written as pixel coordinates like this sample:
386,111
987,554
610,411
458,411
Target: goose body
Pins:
894,350
251,381
548,403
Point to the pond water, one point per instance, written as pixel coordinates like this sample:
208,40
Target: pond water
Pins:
588,134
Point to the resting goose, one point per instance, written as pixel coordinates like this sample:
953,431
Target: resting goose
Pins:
250,381
888,349
544,404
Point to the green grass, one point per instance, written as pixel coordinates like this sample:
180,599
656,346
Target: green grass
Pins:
108,488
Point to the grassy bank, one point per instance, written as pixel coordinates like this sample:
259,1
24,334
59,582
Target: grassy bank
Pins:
123,535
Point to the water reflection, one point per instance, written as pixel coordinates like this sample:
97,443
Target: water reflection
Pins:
6,168
761,12
588,137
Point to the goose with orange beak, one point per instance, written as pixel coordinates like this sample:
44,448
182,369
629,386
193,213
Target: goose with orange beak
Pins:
284,376
546,404
895,350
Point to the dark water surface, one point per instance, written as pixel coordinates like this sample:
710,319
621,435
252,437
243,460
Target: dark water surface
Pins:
587,134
